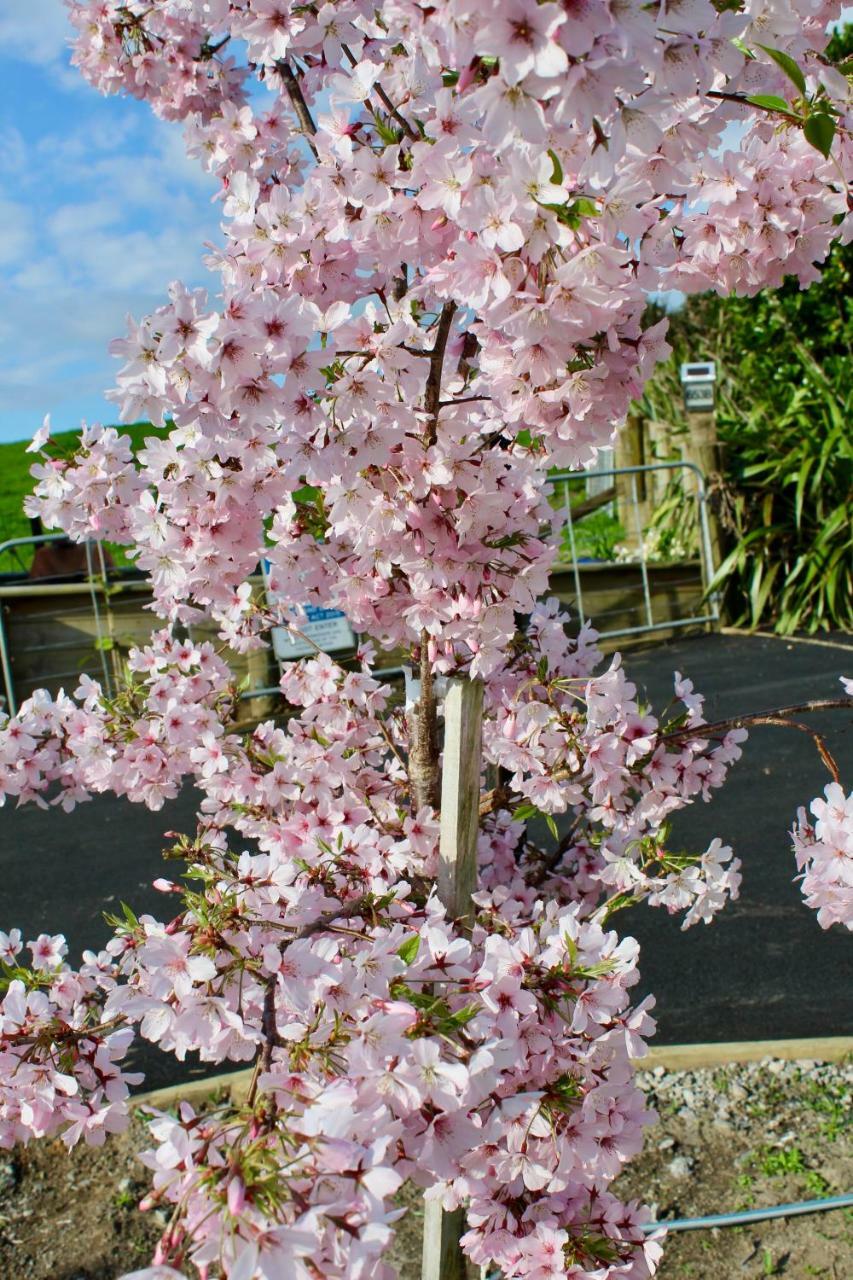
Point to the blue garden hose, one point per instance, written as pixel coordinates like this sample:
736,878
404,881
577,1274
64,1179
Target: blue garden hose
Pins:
736,1219
751,1215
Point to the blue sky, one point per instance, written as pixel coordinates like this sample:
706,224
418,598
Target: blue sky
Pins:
99,210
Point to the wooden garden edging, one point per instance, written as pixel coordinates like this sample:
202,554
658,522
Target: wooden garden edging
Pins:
672,1057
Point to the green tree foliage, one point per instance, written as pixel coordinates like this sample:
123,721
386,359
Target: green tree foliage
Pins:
785,396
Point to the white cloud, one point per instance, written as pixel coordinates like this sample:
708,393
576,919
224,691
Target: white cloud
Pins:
107,211
82,218
13,150
16,235
35,31
175,164
60,347
131,260
100,210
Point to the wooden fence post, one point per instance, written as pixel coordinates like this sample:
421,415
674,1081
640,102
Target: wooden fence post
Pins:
457,880
702,448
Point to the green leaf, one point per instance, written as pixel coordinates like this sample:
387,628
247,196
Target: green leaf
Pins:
128,919
802,479
552,826
584,207
409,949
389,135
104,644
557,174
819,130
571,214
524,812
563,213
463,1015
760,592
770,101
787,64
308,493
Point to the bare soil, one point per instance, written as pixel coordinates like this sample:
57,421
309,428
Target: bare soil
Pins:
728,1139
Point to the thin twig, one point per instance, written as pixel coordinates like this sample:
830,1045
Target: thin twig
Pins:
384,99
497,798
383,729
742,101
392,111
269,1028
445,404
209,51
740,722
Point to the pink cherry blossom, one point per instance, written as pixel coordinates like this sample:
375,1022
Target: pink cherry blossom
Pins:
441,225
824,852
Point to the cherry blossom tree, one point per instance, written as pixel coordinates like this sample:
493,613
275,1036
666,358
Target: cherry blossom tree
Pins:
441,226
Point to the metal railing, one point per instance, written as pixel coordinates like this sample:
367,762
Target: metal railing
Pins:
602,483
98,610
561,483
90,577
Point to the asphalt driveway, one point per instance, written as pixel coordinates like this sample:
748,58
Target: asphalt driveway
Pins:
763,970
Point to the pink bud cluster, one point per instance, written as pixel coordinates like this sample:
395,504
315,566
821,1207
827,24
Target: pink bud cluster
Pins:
405,1052
167,722
492,1068
575,742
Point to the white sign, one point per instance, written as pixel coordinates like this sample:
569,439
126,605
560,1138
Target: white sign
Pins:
699,397
697,383
327,628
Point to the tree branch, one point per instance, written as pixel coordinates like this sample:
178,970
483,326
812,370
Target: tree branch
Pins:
384,99
432,395
780,716
272,1039
300,106
446,404
423,751
392,111
491,801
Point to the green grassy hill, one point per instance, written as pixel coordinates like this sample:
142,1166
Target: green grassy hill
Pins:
16,483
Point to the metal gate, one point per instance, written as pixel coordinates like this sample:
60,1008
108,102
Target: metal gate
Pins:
95,580
625,488
628,489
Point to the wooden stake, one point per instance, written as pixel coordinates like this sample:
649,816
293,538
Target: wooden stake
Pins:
460,796
443,1258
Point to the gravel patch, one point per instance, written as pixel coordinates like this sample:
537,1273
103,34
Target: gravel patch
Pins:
742,1137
